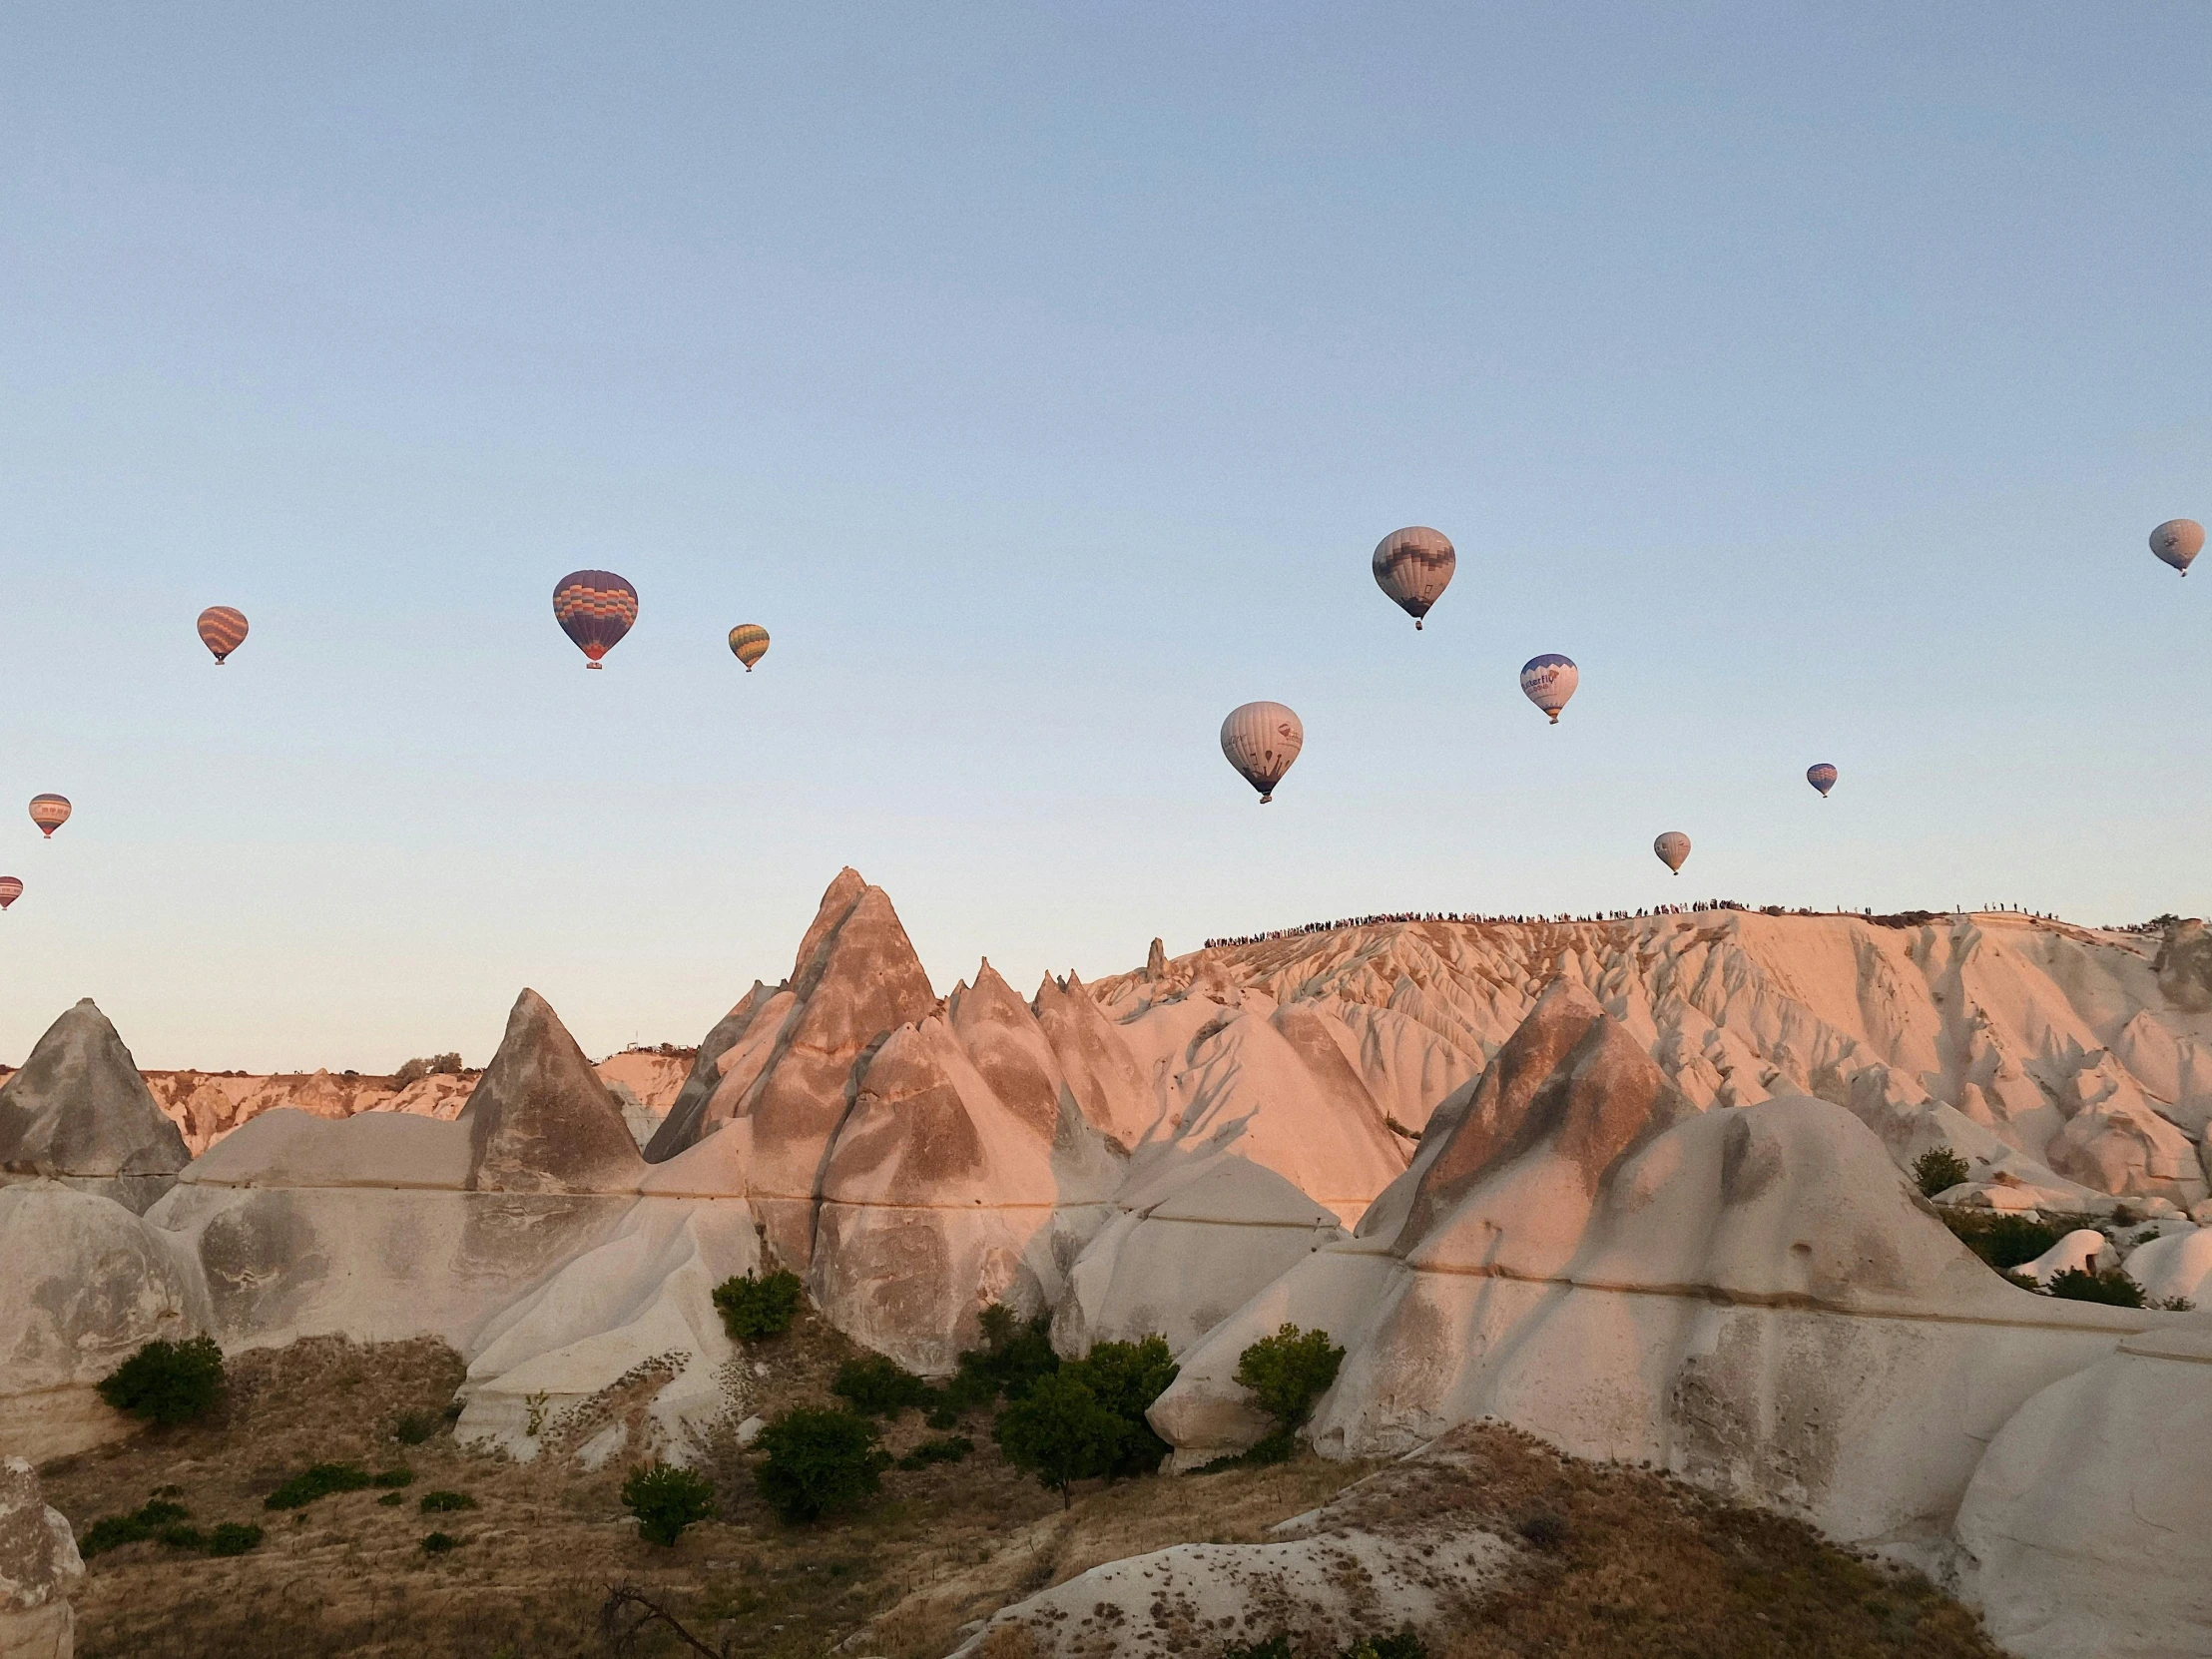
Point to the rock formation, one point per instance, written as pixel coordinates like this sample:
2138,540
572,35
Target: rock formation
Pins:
79,1112
38,1566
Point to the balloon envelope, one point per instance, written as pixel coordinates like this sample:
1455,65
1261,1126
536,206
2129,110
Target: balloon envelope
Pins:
10,890
1260,741
1672,848
1548,681
1822,777
2177,541
595,609
750,641
1413,566
222,630
49,813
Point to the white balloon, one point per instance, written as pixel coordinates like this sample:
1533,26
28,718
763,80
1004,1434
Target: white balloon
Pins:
1673,848
2177,541
1548,681
1260,741
1413,566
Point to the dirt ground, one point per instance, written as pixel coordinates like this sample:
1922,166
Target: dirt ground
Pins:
1636,1564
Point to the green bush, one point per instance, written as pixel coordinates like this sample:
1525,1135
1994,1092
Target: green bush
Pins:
391,1500
1288,1372
1275,1647
938,1452
234,1538
1015,1353
2112,1287
667,1499
437,1543
1126,1378
878,1386
318,1480
1404,1645
753,1308
1938,1169
2000,1238
414,1428
181,1536
111,1532
167,1382
393,1480
1059,1433
439,1503
819,1460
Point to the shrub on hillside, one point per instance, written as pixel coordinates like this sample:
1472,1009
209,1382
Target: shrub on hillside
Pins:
234,1538
442,1501
167,1382
1939,1169
878,1386
434,1065
318,1480
1015,1353
414,1428
753,1308
666,1499
1287,1374
1059,1433
949,1450
2112,1287
819,1461
1126,1378
2001,1239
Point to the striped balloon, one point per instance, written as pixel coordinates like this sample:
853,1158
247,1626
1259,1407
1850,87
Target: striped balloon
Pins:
595,608
49,813
1260,741
1413,566
1822,777
1548,681
222,630
10,890
1673,848
750,641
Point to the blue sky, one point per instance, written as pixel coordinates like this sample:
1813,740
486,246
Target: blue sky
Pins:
1042,378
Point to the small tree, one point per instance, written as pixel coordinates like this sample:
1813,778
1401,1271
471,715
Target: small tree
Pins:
666,1499
167,1382
879,1386
1126,1378
819,1461
752,1308
1938,1169
2112,1287
1287,1373
1059,1433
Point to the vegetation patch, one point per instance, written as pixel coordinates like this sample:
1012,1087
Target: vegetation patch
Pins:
442,1502
167,1383
2112,1287
755,1308
878,1386
318,1480
819,1461
1938,1169
667,1499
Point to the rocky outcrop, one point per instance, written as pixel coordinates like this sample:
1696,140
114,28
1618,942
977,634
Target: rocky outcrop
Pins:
79,1112
1749,1298
87,1282
540,1120
39,1565
2084,1525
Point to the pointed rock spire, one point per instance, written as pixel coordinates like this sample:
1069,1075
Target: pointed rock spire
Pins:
1156,960
80,1112
1009,1048
540,1120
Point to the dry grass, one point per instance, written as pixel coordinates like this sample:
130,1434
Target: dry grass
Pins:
1642,1566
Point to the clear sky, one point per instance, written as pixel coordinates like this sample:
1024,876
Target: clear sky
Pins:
1042,378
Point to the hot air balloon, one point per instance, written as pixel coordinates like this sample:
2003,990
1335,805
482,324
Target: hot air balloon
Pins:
222,630
10,890
2177,541
1548,681
1822,777
49,813
750,641
595,609
1413,566
1260,741
1672,848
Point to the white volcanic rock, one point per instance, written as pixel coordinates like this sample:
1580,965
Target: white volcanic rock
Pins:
940,1196
1749,1298
540,1120
87,1282
2176,1264
2084,1250
1997,1035
1195,1234
2084,1525
1380,1555
1100,1071
786,1060
79,1112
39,1565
